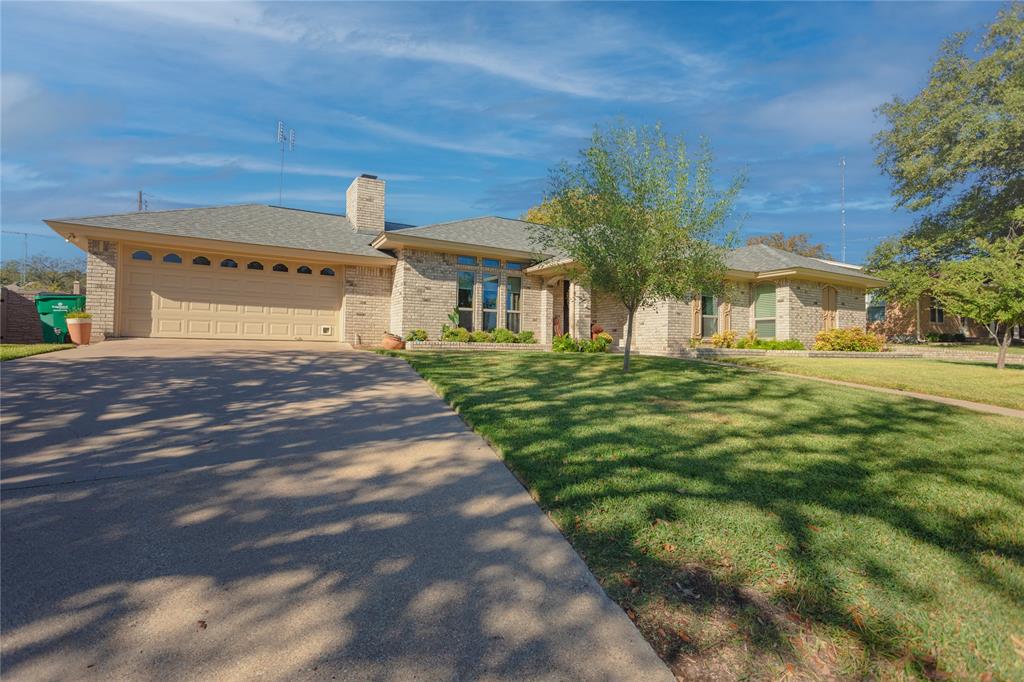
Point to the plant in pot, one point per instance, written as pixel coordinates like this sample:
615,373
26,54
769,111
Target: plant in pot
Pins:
393,341
79,326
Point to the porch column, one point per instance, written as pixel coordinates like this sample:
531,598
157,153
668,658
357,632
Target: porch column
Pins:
579,311
547,311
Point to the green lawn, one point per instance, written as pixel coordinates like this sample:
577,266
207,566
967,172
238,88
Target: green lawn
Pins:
959,347
980,382
756,526
13,351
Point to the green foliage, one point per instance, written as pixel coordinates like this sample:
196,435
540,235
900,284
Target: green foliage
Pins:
564,343
724,339
480,336
45,272
988,287
639,217
954,151
416,335
849,339
502,335
798,243
13,351
768,344
459,334
78,315
525,337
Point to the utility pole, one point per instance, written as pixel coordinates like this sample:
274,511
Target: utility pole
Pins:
842,209
140,201
24,253
285,140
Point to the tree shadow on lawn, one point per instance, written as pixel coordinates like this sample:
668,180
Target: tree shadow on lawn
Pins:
890,524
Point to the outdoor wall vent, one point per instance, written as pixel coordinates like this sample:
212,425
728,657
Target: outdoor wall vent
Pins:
326,330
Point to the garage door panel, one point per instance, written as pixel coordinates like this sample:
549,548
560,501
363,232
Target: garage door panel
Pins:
181,301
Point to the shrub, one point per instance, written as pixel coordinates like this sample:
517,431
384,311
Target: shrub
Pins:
599,344
416,335
850,339
958,337
932,336
768,344
725,339
78,315
595,329
564,343
502,335
460,334
525,337
480,336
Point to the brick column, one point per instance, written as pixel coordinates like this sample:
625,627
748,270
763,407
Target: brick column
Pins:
579,311
101,285
547,311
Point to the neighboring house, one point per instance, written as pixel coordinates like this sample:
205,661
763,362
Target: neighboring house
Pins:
897,321
266,272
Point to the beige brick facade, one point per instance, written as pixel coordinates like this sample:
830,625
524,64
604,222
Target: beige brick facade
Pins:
101,276
364,204
366,304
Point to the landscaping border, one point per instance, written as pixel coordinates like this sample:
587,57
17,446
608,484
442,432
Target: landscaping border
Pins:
460,346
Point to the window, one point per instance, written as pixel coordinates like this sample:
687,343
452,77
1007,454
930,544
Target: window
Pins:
465,300
254,265
327,272
228,263
513,292
142,255
492,263
304,270
935,312
876,309
172,258
708,316
490,302
467,260
764,311
200,260
513,266
280,267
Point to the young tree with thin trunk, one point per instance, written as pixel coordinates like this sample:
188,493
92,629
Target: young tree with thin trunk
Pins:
640,219
988,288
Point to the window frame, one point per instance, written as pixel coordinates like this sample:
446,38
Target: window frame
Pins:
459,275
774,317
513,312
470,261
171,256
487,263
489,278
142,255
704,316
936,313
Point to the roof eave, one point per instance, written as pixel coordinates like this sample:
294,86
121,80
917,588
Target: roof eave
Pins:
391,240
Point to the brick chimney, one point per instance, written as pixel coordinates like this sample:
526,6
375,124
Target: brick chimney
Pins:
364,204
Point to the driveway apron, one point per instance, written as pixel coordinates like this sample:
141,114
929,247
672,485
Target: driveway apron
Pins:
228,510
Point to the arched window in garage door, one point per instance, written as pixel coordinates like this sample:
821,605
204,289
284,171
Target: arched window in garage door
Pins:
200,260
304,270
255,265
228,263
280,267
327,272
142,255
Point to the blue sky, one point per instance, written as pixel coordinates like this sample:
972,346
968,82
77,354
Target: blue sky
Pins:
462,108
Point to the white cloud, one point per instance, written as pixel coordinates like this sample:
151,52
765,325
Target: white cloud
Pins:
18,178
837,114
249,164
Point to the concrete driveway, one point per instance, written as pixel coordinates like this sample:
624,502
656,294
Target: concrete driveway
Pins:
219,510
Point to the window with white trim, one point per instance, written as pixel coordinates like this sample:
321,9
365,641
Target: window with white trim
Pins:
764,311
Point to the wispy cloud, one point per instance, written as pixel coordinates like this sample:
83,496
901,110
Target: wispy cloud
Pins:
251,165
18,178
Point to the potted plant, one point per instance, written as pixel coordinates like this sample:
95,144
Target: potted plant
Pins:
393,341
79,326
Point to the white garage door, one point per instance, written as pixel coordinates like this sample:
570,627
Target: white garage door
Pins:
202,296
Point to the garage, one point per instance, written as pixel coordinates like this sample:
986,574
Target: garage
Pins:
168,293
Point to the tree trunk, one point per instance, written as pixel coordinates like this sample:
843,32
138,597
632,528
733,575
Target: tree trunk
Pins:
629,339
1004,345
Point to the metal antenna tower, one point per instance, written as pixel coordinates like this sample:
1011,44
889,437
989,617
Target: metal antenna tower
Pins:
842,208
285,140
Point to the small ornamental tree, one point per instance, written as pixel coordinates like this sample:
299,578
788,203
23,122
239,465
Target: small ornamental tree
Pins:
639,218
987,287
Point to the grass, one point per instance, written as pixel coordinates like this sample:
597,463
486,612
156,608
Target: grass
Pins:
13,351
960,347
979,382
756,526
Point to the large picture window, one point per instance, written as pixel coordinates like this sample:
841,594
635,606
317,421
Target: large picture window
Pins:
935,312
764,311
464,301
490,302
708,316
513,292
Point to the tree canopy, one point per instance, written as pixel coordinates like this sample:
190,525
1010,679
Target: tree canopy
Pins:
652,225
798,243
45,272
955,151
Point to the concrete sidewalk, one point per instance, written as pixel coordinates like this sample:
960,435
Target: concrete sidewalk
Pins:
213,510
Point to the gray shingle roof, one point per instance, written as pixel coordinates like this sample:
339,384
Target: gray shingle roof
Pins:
247,224
486,231
763,258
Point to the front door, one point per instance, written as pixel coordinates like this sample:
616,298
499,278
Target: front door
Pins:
829,308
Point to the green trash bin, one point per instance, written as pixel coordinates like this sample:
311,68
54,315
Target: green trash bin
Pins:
52,308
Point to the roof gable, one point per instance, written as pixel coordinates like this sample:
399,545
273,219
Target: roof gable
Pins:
485,231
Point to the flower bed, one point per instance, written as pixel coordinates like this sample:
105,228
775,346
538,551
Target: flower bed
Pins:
474,345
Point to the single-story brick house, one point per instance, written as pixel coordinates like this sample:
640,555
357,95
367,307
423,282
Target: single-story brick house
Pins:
267,272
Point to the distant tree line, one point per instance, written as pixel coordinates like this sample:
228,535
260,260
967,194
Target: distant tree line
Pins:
44,272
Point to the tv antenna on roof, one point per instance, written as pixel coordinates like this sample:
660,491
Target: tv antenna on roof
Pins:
286,140
842,208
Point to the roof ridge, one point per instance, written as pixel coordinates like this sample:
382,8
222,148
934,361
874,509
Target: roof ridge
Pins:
166,210
466,220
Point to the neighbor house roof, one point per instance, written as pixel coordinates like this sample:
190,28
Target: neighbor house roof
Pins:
487,232
763,258
247,224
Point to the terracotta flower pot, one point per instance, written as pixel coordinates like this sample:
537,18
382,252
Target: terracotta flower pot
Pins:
393,342
80,330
